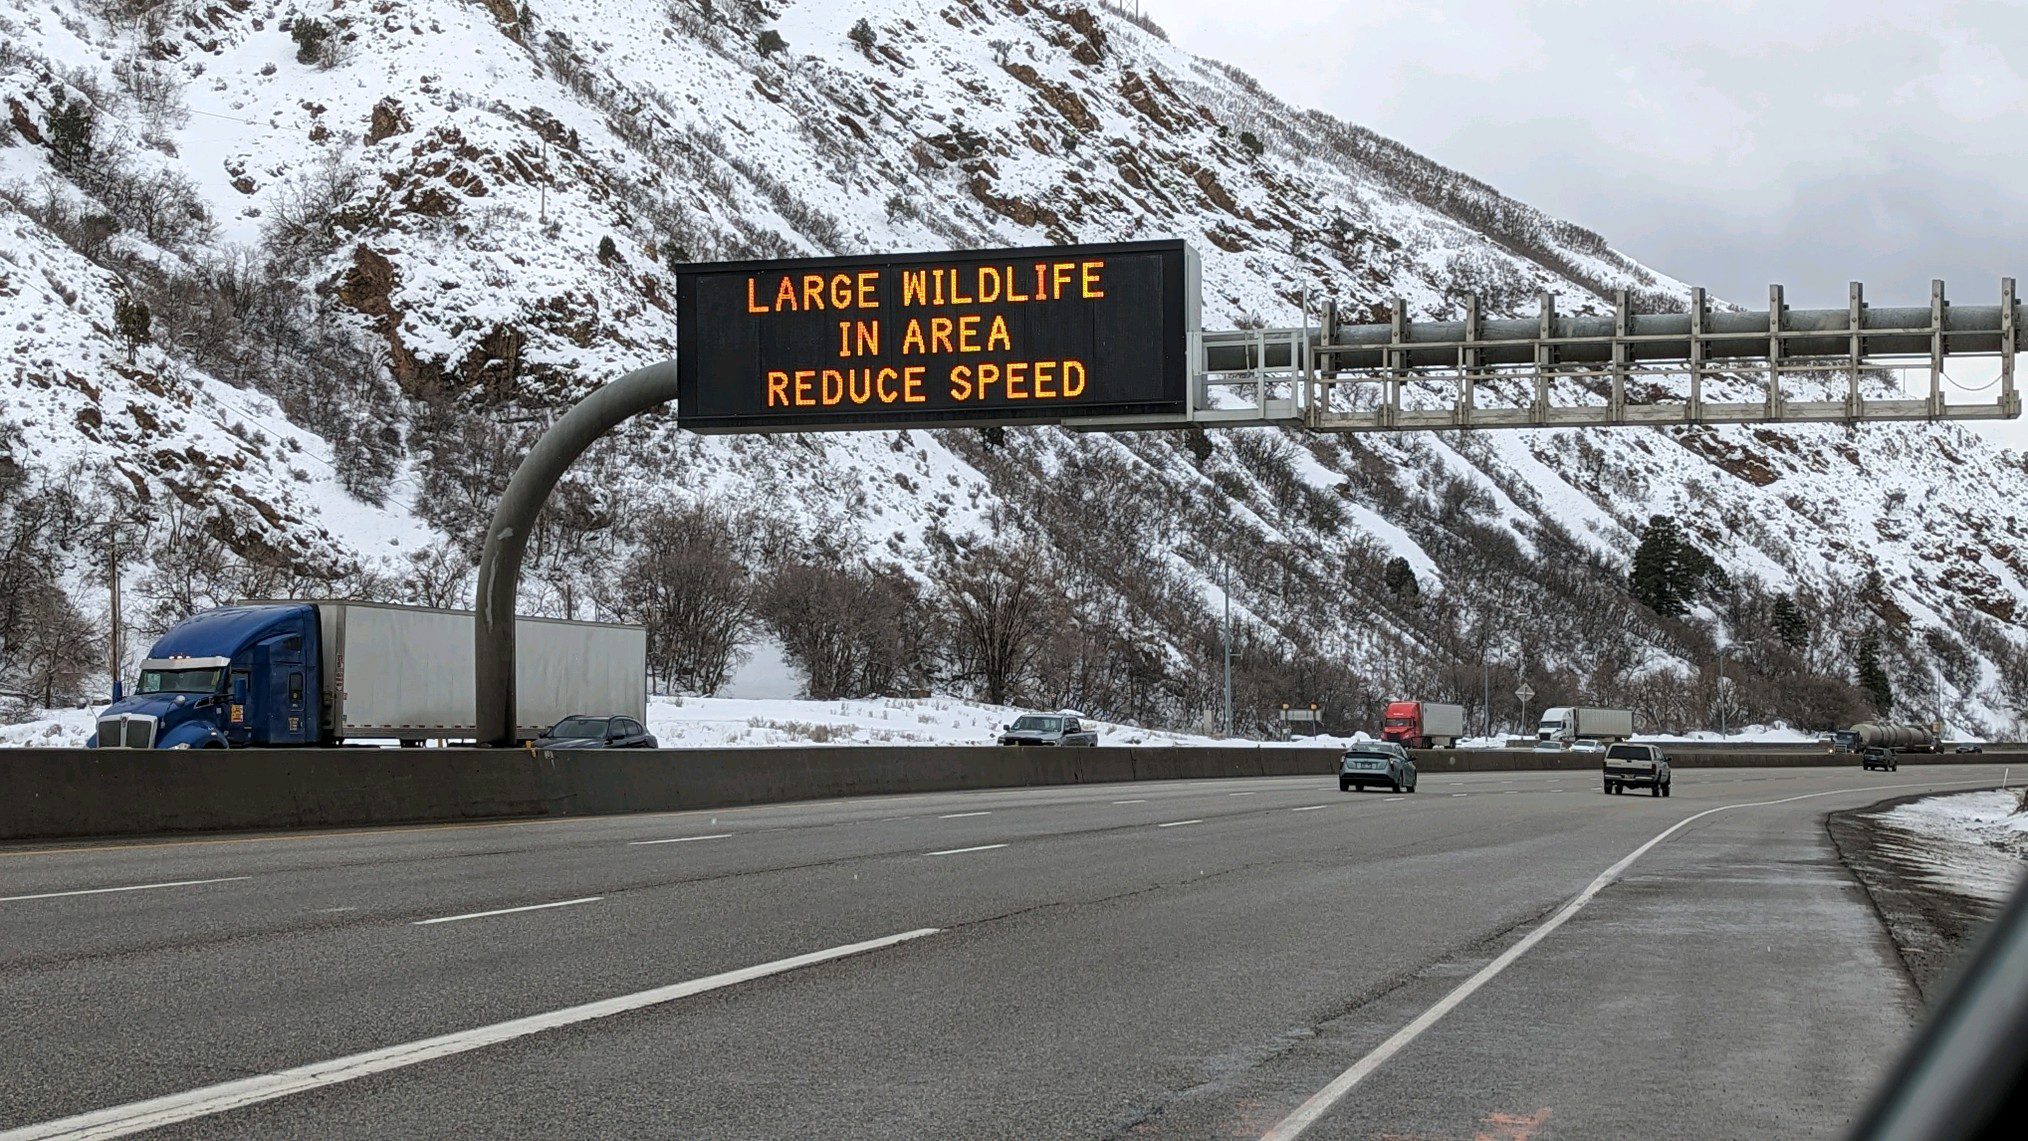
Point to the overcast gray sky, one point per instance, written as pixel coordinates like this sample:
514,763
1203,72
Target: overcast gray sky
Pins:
1806,142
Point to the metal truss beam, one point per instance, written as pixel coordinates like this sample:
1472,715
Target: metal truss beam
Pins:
1351,378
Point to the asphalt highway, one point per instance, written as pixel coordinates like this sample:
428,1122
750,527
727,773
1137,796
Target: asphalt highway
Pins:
1188,959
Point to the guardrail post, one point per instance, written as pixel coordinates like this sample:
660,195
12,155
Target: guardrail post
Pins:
1545,359
2010,401
1937,306
1776,308
1617,403
1695,412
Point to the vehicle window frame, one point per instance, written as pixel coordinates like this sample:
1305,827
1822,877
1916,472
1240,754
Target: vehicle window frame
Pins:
556,731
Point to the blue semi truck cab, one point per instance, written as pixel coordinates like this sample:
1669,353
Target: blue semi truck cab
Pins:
235,677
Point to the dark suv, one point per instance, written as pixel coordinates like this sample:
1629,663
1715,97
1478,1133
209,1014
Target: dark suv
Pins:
1879,757
580,732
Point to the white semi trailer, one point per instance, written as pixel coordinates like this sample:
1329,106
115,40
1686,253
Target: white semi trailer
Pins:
406,673
1568,723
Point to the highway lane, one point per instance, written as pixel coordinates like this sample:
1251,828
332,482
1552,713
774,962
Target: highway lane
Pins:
1094,972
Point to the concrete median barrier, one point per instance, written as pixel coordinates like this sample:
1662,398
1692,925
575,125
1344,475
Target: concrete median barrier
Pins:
60,793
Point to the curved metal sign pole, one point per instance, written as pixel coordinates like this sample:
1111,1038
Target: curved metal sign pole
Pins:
507,538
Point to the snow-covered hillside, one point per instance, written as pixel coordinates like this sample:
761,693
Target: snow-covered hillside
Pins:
383,243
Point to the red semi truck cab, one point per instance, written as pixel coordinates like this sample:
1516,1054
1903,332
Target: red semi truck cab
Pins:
1402,723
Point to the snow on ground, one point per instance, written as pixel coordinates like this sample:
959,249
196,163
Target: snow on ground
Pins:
718,722
48,729
697,722
1971,842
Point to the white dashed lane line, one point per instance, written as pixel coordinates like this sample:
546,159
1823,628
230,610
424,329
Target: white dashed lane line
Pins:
962,851
1309,808
506,911
1178,823
678,839
107,890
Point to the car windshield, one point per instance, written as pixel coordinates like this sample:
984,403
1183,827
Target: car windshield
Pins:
1039,724
580,727
179,681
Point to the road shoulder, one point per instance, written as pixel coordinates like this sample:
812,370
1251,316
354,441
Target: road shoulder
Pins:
1927,923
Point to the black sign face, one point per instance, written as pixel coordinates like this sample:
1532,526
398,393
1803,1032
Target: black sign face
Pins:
978,337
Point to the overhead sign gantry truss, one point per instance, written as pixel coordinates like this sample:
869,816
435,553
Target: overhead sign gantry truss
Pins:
1622,369
1106,338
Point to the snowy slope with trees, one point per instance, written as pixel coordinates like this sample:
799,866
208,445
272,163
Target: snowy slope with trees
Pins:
296,281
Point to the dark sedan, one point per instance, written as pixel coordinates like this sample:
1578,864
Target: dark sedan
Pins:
596,733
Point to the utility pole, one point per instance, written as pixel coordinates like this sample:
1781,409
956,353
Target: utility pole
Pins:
1485,694
115,654
1226,637
1720,683
116,647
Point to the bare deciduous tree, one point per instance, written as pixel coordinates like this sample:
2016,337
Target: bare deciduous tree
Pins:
1000,616
687,584
855,631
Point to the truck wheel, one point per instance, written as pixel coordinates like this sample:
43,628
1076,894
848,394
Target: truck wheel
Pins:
1655,789
1667,787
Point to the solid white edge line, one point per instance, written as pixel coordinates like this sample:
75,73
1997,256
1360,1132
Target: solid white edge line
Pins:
1320,1103
507,911
962,815
679,839
1178,823
962,851
120,1120
129,887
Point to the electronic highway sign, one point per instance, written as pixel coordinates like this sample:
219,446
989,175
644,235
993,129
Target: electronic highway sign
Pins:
936,340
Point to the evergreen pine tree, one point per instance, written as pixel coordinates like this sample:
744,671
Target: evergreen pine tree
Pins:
1400,579
1789,623
862,34
133,322
1657,573
73,134
1872,676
